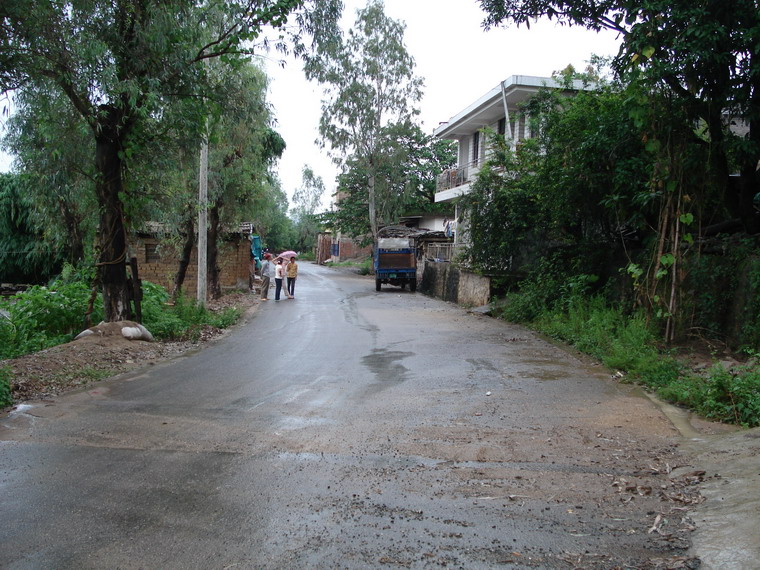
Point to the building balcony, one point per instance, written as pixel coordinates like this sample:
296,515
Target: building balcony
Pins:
455,182
452,178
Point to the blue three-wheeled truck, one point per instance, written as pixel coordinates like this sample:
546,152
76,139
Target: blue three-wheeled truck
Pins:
395,263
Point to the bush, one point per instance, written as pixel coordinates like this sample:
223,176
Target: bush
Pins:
41,317
183,320
727,396
5,388
365,267
627,343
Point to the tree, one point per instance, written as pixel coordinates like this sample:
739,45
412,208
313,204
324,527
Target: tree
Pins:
52,146
578,189
408,166
372,86
24,257
118,63
306,200
243,149
415,160
272,221
705,53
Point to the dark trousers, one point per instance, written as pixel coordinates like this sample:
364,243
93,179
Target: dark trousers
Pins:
277,288
291,286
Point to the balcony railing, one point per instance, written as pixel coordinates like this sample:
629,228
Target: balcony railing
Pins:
452,178
443,251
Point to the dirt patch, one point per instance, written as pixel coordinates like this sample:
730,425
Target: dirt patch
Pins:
103,354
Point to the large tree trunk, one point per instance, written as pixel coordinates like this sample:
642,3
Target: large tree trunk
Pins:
184,260
214,287
372,206
112,236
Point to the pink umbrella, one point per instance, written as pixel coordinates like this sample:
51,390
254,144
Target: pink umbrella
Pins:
286,255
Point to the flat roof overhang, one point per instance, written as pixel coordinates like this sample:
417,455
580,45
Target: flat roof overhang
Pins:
490,107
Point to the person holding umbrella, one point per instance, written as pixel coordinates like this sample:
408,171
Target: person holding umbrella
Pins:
291,271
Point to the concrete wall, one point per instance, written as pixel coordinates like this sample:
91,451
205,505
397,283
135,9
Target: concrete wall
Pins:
447,282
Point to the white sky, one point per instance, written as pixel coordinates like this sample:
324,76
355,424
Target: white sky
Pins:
457,59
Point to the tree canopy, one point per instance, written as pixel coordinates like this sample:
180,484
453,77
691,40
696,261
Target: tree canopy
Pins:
704,53
372,89
119,63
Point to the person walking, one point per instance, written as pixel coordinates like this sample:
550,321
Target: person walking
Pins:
266,276
291,272
279,273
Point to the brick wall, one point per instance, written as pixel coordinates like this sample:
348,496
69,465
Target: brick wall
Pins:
158,262
348,249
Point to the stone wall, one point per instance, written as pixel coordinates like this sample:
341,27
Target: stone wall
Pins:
448,282
158,263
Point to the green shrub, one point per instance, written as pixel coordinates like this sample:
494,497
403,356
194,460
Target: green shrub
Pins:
365,267
657,370
184,319
225,318
727,396
627,343
5,387
44,316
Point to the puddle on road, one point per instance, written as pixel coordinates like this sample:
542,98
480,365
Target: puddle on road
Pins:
385,365
480,364
292,423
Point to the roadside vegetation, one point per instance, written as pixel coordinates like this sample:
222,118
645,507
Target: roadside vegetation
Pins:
586,245
112,104
631,345
363,266
629,225
46,316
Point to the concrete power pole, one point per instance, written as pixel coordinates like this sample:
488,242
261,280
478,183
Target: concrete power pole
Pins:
203,225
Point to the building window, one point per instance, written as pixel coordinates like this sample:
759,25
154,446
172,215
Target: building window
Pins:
476,147
502,126
151,253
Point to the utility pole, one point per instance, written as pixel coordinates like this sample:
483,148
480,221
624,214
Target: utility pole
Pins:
203,224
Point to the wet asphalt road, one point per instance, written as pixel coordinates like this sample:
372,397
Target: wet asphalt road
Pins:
345,429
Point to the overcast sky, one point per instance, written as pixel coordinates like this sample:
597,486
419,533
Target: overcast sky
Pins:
458,61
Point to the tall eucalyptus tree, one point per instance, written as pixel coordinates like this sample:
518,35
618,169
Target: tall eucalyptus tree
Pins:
371,88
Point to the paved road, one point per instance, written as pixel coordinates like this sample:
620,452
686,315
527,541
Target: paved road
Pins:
347,428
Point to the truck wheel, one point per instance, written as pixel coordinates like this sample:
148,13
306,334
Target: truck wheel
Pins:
413,285
377,284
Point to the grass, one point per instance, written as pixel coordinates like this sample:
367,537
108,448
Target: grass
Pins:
628,344
363,265
43,317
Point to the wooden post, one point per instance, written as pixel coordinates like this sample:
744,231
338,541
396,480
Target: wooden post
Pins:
137,293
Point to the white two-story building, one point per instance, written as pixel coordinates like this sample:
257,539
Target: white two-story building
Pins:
499,110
